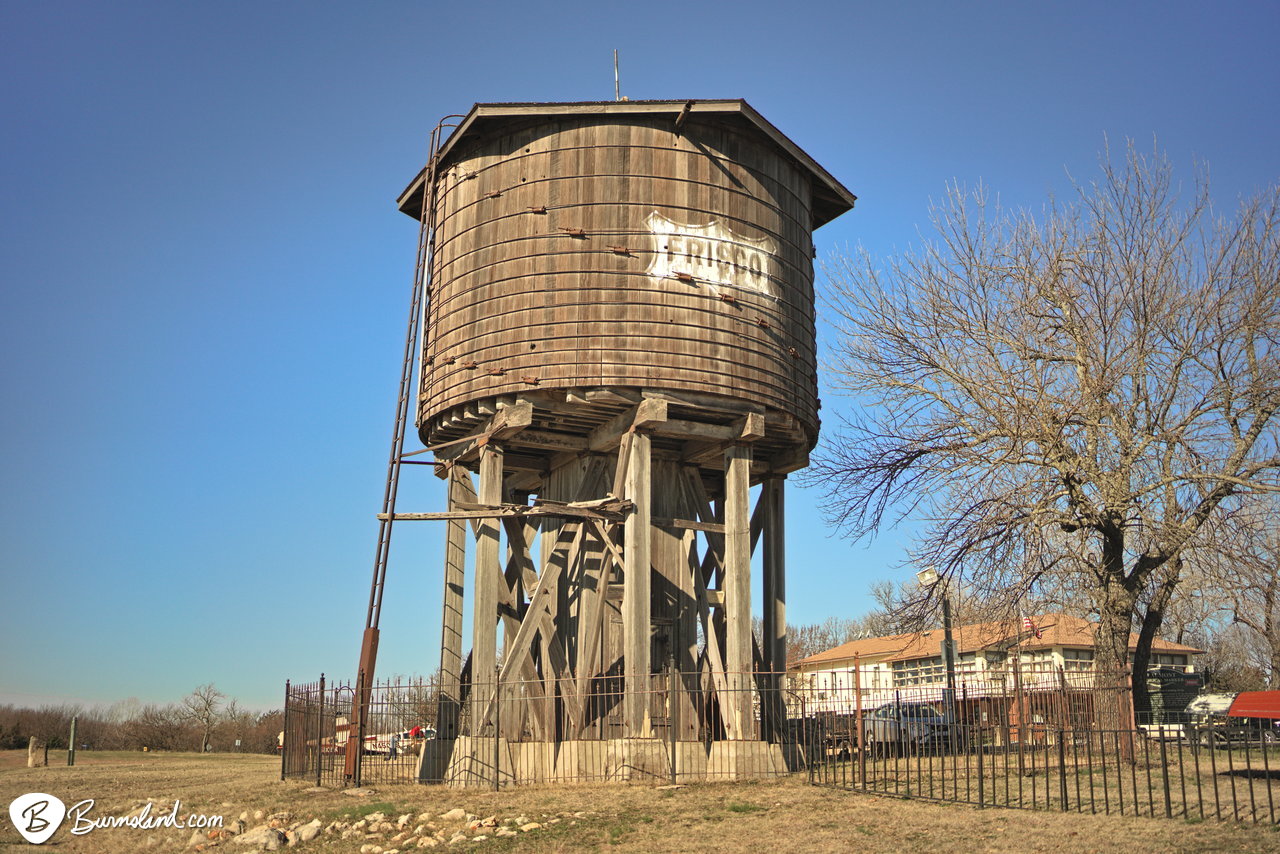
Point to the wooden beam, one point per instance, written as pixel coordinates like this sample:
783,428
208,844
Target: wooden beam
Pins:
700,400
710,441
736,585
607,513
488,576
647,414
563,556
748,428
710,527
636,590
620,469
612,395
507,422
772,496
774,628
455,562
544,440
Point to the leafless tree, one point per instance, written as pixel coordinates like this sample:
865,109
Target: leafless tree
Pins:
1245,572
201,707
1066,399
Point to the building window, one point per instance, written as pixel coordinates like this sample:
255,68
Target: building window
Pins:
919,671
1077,659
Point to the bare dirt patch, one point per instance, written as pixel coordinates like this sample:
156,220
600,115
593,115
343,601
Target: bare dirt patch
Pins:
760,818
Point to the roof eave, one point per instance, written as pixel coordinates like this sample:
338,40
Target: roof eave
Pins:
830,197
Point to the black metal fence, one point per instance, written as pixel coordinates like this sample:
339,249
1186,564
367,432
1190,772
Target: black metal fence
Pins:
321,744
1072,746
689,726
1065,743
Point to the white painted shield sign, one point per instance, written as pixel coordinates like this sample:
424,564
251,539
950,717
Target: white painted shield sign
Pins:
712,253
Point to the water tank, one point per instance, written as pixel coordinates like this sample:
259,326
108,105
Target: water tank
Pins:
597,253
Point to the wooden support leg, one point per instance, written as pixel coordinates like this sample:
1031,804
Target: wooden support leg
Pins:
455,562
775,595
736,584
488,575
636,587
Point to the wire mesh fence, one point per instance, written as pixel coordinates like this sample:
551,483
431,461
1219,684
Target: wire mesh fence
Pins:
1067,743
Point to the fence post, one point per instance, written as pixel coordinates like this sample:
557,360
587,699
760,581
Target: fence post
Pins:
1022,716
673,708
497,719
1062,766
982,793
284,734
806,733
857,699
1164,775
362,696
71,745
320,735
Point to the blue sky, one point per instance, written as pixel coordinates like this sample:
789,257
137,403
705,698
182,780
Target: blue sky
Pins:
205,278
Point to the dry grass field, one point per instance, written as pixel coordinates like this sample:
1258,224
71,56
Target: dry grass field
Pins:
760,818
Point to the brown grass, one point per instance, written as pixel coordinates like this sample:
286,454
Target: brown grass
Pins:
761,818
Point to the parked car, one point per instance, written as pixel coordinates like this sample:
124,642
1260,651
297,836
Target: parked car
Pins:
909,727
1212,724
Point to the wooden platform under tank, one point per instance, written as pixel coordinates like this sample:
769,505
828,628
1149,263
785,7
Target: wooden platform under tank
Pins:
469,761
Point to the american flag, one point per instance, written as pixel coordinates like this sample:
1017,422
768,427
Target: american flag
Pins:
1029,626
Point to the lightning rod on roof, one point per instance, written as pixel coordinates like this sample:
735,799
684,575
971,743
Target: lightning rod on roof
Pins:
617,90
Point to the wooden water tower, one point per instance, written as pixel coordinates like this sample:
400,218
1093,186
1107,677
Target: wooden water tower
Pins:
617,344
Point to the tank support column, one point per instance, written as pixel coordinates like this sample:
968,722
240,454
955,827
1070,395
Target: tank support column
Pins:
488,575
636,587
775,603
736,582
455,564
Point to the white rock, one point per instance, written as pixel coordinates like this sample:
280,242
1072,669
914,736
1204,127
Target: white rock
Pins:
266,838
307,832
456,814
428,842
533,825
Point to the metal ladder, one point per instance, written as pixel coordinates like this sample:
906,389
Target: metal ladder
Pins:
418,300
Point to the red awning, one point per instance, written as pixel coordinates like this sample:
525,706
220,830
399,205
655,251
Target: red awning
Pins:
1256,704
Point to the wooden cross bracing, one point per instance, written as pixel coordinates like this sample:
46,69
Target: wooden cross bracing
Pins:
622,540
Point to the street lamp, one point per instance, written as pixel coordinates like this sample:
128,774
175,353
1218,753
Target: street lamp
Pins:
929,578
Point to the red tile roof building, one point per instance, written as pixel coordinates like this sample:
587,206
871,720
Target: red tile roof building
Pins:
989,659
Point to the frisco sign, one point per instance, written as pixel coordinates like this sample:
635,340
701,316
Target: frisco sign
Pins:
711,253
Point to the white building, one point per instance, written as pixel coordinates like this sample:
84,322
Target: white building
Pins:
991,660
